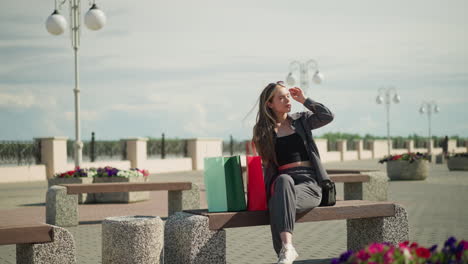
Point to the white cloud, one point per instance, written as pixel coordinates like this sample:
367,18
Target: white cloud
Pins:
17,100
26,100
197,122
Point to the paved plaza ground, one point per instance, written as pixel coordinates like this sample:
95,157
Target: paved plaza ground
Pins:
437,208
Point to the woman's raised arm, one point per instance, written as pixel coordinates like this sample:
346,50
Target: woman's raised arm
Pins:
319,115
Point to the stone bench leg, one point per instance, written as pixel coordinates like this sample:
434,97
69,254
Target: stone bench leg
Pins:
183,200
394,229
374,190
61,251
132,239
61,208
188,240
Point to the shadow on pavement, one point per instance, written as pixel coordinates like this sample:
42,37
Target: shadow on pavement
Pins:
33,204
90,222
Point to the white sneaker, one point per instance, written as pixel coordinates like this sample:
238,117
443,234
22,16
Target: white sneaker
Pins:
287,254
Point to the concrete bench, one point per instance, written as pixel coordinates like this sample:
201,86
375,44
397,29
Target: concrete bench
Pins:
362,185
40,243
132,239
62,200
369,185
196,236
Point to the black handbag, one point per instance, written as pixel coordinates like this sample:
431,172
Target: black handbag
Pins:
328,193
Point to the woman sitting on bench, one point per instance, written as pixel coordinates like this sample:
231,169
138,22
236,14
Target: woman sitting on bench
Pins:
290,158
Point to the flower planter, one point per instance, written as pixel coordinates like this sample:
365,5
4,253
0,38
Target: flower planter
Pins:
457,163
82,197
120,197
452,251
404,170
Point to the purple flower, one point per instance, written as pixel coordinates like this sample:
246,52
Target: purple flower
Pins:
433,248
335,261
450,241
453,249
459,251
345,256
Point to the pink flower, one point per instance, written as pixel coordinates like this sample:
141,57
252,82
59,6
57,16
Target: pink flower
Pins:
465,244
414,245
423,252
404,244
388,256
375,248
363,255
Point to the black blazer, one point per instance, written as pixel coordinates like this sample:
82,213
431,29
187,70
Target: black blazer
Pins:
303,123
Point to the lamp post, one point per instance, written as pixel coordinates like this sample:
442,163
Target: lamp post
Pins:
303,69
428,107
56,25
387,92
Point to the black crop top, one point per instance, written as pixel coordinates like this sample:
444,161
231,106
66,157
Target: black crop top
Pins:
290,149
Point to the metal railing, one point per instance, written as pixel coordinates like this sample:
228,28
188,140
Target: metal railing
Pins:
17,153
99,150
163,148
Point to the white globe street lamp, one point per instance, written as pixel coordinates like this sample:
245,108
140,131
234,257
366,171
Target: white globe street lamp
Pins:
318,77
429,107
303,69
56,23
95,19
387,92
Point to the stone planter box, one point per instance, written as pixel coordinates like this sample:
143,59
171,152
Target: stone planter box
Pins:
457,163
404,170
82,197
120,197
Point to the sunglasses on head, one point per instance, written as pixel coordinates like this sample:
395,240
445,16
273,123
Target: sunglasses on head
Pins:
271,85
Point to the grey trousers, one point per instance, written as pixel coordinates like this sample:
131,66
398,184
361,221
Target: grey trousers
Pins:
295,190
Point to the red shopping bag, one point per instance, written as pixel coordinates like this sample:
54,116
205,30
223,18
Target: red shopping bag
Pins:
256,196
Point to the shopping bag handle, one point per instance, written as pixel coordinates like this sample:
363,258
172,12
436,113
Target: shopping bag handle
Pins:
250,145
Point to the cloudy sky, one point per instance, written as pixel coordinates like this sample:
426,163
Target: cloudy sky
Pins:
196,68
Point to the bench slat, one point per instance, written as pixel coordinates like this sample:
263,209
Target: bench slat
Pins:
126,187
346,177
350,209
26,234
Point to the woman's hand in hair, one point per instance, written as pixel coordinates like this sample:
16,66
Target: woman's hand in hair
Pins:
297,94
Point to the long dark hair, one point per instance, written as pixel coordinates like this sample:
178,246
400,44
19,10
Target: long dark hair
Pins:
263,130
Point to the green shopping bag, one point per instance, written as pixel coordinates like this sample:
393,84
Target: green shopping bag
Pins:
224,184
